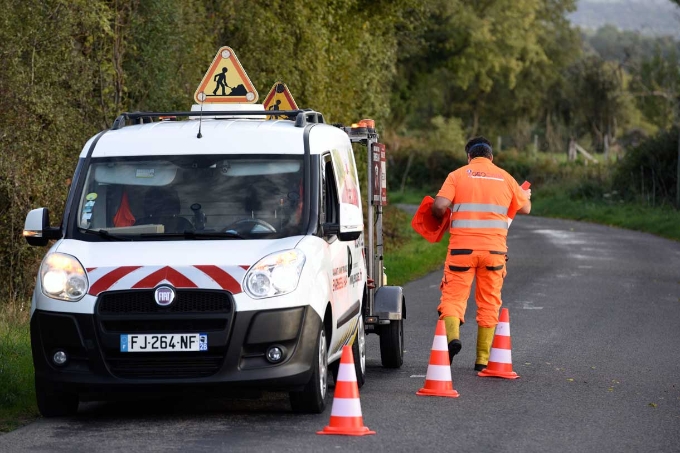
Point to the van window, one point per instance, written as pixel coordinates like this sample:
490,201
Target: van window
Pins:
330,196
253,196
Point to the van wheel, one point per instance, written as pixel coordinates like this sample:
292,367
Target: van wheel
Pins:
312,399
392,344
334,368
52,403
359,352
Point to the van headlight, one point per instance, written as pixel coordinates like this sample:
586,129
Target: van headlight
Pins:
63,277
275,274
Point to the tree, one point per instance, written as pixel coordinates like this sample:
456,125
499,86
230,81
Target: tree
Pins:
54,78
470,50
656,85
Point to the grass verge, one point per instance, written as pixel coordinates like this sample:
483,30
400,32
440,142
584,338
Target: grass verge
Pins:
17,394
410,196
557,202
407,255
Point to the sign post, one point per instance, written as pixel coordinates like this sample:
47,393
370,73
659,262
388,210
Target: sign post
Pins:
378,175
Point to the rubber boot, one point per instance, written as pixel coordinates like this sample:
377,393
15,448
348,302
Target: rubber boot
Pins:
484,340
453,336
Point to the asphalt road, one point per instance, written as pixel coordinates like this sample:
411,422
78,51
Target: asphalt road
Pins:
594,315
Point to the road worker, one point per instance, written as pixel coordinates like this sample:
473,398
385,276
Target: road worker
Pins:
480,195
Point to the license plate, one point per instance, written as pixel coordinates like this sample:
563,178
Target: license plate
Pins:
175,342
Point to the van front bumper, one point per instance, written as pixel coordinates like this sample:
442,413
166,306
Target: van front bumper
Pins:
235,359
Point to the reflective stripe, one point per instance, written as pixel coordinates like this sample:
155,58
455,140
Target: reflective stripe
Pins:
500,355
347,373
438,373
502,224
345,407
480,207
439,343
503,328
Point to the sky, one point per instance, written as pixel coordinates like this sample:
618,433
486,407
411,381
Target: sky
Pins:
651,17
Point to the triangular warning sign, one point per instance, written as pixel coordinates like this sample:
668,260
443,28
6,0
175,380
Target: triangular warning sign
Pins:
226,81
279,98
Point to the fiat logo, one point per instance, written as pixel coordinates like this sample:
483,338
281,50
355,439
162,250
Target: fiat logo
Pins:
164,295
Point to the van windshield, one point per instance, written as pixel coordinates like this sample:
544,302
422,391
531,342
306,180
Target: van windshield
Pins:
205,196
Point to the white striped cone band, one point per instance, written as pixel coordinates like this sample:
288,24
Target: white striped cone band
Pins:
503,329
438,373
347,373
500,355
440,343
346,407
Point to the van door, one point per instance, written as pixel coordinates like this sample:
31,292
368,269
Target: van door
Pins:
341,185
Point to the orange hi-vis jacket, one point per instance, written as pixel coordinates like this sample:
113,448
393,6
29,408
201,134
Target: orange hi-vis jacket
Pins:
481,194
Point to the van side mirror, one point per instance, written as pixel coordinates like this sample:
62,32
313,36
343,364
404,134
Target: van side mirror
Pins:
37,229
351,222
333,229
351,236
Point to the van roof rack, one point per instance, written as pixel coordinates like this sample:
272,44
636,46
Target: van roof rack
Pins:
302,117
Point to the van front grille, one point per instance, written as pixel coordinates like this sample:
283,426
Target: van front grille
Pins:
186,301
136,312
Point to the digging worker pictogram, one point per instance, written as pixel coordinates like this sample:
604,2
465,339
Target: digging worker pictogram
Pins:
480,195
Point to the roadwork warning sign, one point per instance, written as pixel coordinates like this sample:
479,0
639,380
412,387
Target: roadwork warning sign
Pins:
279,98
226,81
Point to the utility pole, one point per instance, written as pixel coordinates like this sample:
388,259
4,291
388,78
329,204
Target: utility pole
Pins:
677,183
677,180
535,143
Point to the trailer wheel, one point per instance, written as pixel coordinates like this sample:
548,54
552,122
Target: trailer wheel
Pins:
53,403
392,344
312,399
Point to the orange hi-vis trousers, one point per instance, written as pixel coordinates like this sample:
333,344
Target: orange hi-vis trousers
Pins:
461,267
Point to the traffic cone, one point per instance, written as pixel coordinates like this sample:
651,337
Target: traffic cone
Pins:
346,416
500,359
438,381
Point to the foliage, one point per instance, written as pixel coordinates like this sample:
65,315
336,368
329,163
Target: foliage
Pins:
430,152
468,48
656,87
649,172
601,108
625,46
322,51
45,114
163,42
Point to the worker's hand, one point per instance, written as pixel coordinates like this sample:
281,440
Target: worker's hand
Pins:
527,192
439,207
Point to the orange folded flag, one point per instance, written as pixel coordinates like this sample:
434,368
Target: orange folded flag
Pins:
124,215
427,225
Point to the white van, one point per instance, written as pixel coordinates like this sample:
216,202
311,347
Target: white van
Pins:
225,251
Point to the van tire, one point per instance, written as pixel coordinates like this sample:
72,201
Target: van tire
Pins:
392,344
334,368
359,352
53,403
312,399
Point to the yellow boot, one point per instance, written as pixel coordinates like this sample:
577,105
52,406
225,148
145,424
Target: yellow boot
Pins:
453,336
484,340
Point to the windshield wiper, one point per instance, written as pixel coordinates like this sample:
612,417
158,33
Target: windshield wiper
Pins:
196,235
106,235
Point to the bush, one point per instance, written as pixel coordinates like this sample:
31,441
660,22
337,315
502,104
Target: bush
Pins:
649,171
